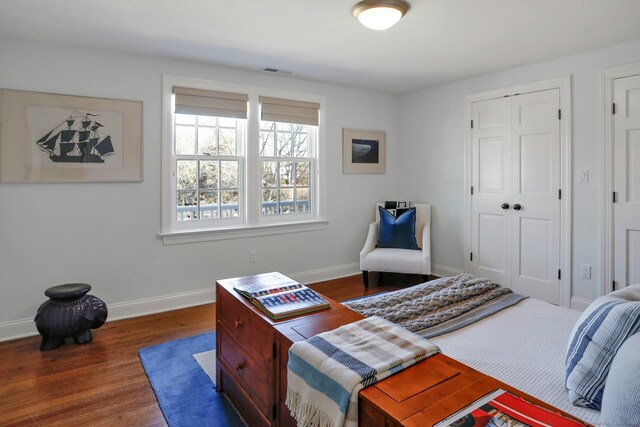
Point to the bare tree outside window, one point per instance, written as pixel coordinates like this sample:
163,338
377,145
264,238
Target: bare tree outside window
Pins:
207,171
286,161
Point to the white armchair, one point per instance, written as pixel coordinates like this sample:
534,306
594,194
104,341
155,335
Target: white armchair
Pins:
391,260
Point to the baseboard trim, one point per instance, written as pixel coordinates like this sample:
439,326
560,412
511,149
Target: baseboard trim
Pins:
321,275
580,304
26,327
444,271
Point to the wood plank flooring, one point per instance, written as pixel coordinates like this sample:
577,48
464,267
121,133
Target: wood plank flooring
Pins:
103,383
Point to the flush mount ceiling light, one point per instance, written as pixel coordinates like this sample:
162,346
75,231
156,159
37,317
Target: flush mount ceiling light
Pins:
380,14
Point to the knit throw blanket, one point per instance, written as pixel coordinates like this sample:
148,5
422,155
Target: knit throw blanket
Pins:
429,304
326,372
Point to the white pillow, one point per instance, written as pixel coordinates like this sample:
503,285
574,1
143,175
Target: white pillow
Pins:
594,341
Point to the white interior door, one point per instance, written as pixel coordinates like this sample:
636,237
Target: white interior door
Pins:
626,209
515,225
535,221
491,152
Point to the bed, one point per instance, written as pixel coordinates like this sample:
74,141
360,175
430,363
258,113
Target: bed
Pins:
520,341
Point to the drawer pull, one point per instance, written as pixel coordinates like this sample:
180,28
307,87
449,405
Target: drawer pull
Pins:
240,366
239,323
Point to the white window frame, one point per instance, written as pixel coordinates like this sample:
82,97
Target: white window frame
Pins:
251,222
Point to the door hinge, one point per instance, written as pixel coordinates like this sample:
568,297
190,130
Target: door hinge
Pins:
559,114
472,190
613,285
614,197
274,350
471,124
559,194
613,108
273,414
559,274
470,256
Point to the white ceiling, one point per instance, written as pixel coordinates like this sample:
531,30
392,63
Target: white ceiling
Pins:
437,41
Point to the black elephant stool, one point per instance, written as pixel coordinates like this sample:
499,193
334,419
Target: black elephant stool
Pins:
69,312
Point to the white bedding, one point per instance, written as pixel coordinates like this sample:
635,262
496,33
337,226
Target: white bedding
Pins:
523,346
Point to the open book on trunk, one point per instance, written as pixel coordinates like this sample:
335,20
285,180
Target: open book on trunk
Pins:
280,299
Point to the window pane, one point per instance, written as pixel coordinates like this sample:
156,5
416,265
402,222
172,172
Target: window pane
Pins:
187,206
186,174
227,122
302,173
208,174
269,174
207,141
269,202
206,121
185,139
303,202
227,142
185,119
285,127
286,170
229,174
284,144
229,206
209,205
286,201
267,147
301,142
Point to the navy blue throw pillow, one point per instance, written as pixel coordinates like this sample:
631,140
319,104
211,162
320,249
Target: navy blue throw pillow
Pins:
399,233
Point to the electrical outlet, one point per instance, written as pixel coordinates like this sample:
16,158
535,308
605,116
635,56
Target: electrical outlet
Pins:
252,255
585,271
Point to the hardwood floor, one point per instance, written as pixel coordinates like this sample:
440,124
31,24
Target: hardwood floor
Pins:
103,383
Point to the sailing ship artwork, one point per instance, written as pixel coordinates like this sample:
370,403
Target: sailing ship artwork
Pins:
78,138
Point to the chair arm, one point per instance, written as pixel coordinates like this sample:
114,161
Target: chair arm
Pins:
426,247
370,244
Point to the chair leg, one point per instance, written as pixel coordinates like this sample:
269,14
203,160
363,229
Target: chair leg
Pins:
425,277
380,278
365,278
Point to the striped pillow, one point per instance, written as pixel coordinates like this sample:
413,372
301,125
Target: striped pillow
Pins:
594,341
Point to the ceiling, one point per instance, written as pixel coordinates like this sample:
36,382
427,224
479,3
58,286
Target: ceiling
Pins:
437,41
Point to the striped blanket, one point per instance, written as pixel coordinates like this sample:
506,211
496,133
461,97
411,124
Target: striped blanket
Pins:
326,372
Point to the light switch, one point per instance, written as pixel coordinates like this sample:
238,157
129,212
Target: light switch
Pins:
583,177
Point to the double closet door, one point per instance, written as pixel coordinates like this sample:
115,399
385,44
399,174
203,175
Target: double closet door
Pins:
515,202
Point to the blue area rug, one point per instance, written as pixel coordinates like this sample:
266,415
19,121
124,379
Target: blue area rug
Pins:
185,392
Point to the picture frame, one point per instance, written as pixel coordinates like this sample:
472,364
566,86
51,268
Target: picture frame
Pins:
48,137
363,151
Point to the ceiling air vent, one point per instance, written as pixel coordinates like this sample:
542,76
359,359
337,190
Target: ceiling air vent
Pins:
276,70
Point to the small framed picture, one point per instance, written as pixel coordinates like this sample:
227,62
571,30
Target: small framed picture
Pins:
363,151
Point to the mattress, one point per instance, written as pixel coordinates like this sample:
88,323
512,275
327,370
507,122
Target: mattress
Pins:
523,346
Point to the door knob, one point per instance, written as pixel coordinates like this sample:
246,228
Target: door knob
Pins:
505,206
517,207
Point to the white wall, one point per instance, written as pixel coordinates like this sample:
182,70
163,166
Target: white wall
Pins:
106,234
432,131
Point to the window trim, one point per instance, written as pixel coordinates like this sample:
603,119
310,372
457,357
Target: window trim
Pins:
253,223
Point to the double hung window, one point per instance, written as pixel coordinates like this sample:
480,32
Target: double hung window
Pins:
238,160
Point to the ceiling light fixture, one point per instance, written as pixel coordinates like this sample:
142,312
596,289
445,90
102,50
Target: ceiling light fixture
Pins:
380,14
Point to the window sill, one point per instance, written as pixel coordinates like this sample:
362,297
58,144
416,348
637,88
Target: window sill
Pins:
241,232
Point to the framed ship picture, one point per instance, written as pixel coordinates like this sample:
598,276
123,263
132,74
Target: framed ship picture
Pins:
363,151
47,137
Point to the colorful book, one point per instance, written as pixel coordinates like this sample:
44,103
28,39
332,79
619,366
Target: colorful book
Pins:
283,299
503,409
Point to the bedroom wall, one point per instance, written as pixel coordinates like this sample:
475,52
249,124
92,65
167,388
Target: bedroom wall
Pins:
106,234
432,129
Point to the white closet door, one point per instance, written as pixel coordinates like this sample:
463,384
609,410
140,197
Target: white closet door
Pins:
491,153
515,224
535,225
626,210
